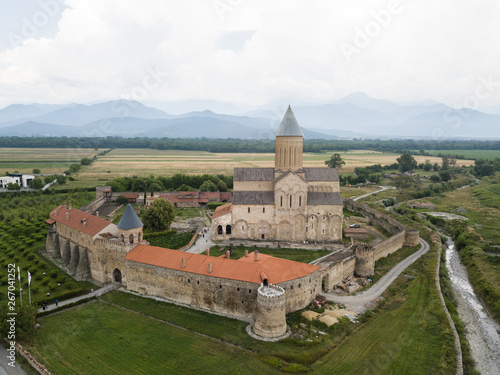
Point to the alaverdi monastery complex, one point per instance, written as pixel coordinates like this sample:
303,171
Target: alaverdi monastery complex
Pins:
285,203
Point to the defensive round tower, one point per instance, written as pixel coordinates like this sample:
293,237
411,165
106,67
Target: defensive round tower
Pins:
365,260
289,144
130,226
270,316
411,237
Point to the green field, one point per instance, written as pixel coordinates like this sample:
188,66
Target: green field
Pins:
48,160
98,338
469,154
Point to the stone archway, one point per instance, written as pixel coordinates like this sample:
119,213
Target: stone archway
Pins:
117,275
228,229
131,238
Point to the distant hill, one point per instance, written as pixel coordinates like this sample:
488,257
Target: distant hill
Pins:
354,116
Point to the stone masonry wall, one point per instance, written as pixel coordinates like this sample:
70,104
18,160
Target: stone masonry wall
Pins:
234,298
389,246
300,292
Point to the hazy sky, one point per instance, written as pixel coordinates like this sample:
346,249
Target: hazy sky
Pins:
249,52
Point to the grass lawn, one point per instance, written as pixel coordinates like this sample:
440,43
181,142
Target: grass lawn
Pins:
384,265
298,255
188,212
99,338
410,335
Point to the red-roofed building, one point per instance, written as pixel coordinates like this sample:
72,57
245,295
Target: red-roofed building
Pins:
218,284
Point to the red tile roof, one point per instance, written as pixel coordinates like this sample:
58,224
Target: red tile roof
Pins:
356,230
50,221
276,270
93,225
222,210
130,195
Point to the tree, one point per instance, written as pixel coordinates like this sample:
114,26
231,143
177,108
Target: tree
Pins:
435,178
221,186
208,186
13,186
406,163
185,187
417,182
335,161
86,161
155,187
445,175
121,200
139,185
36,171
427,166
446,163
36,184
402,183
374,177
159,215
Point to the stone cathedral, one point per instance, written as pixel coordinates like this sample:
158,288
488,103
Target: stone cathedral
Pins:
286,203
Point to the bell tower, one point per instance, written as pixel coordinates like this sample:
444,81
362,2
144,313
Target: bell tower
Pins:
289,144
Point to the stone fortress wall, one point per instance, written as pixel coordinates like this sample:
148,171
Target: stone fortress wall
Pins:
233,298
394,227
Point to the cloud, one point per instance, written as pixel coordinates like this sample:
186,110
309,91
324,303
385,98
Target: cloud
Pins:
255,52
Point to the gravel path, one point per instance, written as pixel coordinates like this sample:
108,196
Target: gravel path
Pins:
358,303
98,292
382,188
203,242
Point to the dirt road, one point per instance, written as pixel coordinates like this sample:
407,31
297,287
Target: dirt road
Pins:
357,303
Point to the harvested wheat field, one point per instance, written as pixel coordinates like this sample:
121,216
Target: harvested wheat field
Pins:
145,162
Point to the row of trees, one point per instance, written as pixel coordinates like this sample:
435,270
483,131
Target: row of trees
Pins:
179,182
246,145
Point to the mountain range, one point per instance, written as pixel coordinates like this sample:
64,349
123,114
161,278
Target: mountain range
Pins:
354,116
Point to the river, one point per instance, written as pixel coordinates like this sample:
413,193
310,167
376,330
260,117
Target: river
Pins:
482,331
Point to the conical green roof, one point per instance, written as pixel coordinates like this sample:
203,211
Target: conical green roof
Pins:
129,219
289,126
